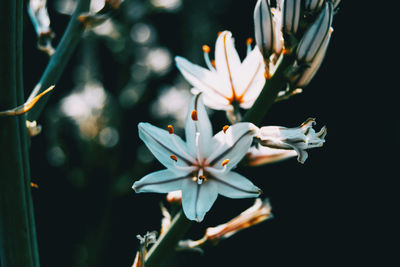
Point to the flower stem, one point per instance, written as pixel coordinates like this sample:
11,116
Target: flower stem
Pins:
60,58
18,245
166,243
269,93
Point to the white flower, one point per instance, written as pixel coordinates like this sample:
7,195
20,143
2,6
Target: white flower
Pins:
267,28
299,139
231,82
201,166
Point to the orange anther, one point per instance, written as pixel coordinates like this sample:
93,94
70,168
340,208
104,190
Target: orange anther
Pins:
249,41
170,129
194,115
34,185
213,63
203,177
225,162
206,48
225,128
173,157
219,33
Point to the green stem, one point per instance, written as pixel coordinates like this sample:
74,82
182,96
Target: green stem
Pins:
269,93
166,244
59,60
18,245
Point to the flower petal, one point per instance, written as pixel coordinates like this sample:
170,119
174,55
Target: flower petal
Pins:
264,155
199,126
234,185
231,144
197,199
160,182
252,78
227,61
204,80
162,144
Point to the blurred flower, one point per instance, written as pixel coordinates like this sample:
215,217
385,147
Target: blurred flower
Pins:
159,60
299,139
142,33
201,166
37,11
170,5
163,108
230,82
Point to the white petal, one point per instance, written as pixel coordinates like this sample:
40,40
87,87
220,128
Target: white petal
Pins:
227,61
163,145
201,127
160,182
197,199
264,155
233,145
204,80
316,35
263,26
291,15
234,185
252,78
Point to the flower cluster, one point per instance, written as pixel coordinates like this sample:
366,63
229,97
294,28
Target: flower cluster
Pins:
201,167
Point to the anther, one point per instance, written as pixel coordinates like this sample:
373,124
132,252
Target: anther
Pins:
173,157
225,128
206,49
219,33
249,41
213,63
202,177
34,185
170,129
225,162
194,115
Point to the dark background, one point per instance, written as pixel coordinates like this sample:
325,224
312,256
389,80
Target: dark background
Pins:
326,211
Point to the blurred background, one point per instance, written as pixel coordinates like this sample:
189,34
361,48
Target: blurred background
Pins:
89,154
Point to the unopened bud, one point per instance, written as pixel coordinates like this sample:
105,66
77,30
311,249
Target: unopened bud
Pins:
291,16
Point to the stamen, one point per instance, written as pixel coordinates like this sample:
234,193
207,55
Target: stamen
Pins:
213,63
225,128
248,43
171,129
194,115
173,157
201,177
206,50
225,162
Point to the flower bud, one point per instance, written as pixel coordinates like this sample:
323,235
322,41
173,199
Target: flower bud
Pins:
267,26
291,16
315,38
313,5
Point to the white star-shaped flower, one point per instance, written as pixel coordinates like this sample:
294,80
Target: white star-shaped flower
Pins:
230,82
201,166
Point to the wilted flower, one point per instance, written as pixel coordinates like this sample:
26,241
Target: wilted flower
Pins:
260,155
299,139
145,241
230,82
201,166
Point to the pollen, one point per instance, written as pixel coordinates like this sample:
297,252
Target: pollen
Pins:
225,128
173,157
170,129
206,49
34,185
194,115
225,162
249,41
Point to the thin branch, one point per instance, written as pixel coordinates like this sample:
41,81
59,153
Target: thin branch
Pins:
59,60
